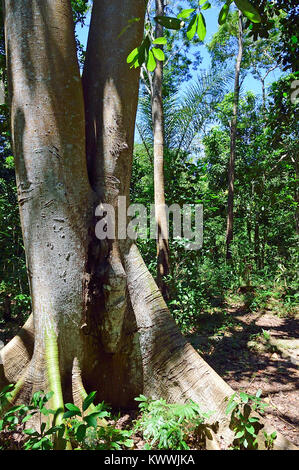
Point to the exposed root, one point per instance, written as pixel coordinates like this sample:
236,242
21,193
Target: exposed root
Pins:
172,369
53,371
79,392
16,355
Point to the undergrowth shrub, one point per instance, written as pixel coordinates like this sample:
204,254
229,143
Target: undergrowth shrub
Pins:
161,425
172,426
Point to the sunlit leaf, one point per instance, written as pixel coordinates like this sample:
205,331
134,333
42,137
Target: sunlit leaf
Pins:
133,55
248,10
158,53
162,40
191,30
186,13
206,6
223,13
151,63
88,401
201,27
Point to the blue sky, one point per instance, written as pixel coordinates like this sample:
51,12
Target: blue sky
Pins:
250,83
211,17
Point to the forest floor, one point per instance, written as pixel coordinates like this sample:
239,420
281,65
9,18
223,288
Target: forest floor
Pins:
252,351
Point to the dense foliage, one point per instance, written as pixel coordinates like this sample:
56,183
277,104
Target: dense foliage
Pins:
157,425
266,209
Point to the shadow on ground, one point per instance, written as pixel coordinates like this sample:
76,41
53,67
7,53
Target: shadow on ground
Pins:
234,342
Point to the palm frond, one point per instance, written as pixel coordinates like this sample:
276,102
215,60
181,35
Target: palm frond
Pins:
186,113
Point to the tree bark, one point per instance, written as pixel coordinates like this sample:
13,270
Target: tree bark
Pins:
53,190
163,263
296,191
233,134
257,255
120,341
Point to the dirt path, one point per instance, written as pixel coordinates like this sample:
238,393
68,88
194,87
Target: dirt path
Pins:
239,345
242,352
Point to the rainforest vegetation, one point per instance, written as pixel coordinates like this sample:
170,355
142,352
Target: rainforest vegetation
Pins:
124,344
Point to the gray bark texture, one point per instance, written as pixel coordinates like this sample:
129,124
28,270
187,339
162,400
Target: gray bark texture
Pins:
163,263
233,135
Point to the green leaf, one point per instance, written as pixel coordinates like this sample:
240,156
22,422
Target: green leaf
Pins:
16,408
48,396
81,431
191,30
91,419
70,414
158,53
151,63
201,27
61,431
36,397
27,418
43,427
244,397
133,55
250,429
115,446
5,389
253,419
30,432
169,22
143,51
88,401
128,443
223,13
240,434
141,398
71,407
248,10
186,13
232,404
45,411
206,6
53,430
38,444
161,40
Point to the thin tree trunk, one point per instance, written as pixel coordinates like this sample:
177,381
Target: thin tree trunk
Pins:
163,264
257,242
296,197
233,134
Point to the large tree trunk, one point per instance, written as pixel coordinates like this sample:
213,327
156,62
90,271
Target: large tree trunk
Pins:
99,321
54,197
233,135
163,264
